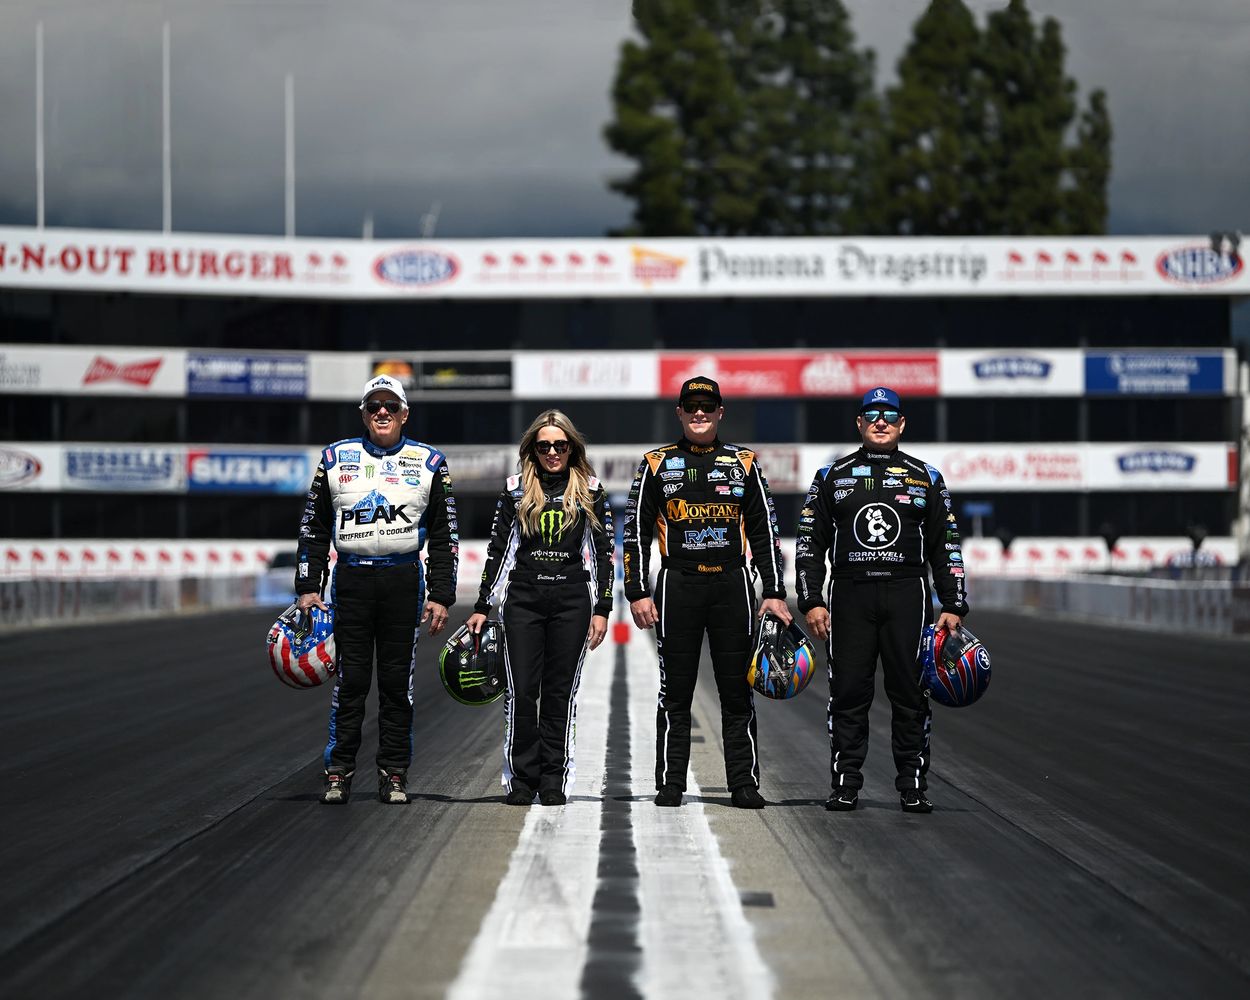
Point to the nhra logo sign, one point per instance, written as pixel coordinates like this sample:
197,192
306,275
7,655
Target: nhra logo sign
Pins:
1012,367
246,472
416,268
1198,265
1156,461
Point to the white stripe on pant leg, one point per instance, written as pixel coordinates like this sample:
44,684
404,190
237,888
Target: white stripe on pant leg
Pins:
659,635
509,714
570,721
924,598
755,760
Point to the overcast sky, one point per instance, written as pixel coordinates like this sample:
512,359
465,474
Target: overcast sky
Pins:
495,110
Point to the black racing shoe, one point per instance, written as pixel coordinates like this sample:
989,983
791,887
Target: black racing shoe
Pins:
669,795
338,788
842,799
915,801
552,797
519,797
747,797
393,786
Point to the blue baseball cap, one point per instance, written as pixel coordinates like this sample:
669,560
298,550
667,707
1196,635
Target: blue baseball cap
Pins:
881,398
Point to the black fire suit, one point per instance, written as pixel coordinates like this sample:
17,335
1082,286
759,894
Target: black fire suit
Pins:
547,586
884,520
378,508
705,504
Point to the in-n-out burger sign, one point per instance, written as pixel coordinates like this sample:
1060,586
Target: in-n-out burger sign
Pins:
151,262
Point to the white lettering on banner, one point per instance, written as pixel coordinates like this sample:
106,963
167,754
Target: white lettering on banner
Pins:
238,469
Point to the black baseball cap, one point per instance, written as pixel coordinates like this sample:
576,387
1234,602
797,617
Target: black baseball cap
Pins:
699,386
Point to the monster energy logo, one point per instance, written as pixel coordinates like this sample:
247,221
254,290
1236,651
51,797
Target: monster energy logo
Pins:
692,475
470,678
552,524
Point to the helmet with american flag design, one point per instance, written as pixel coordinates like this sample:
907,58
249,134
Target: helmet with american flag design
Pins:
301,646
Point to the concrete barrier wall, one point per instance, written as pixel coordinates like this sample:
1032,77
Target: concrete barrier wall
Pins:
47,601
1208,608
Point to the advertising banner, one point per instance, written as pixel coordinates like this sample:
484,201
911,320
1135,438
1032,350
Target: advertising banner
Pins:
337,376
226,471
221,374
1202,466
594,375
805,373
467,374
99,371
123,469
1159,373
1007,372
224,264
30,466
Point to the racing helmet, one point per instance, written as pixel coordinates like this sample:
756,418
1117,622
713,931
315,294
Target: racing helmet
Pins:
301,646
782,659
471,664
954,666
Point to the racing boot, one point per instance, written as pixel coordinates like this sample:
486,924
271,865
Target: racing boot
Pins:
338,788
669,795
393,786
747,797
842,799
915,801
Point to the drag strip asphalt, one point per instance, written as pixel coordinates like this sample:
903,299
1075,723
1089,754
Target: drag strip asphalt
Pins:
161,834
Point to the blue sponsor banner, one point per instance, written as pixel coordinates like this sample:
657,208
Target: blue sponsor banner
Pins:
115,469
277,376
1154,373
216,471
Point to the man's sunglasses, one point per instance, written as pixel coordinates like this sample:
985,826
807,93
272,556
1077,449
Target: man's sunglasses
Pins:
543,447
889,416
700,406
392,405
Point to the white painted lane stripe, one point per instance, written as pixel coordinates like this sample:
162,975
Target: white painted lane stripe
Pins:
532,942
696,940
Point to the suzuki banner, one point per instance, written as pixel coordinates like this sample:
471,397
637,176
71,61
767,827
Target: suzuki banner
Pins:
223,264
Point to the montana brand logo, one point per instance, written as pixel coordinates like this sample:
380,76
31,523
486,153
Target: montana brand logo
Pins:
139,373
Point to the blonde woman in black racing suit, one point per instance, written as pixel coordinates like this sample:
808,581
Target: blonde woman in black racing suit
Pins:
549,572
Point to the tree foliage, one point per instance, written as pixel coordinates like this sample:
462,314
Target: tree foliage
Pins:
759,117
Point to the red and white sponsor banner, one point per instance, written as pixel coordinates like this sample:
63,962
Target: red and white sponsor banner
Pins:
99,371
200,264
592,375
1049,557
803,373
991,468
1008,372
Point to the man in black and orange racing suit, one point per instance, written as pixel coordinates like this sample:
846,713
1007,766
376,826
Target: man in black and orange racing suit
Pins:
706,501
884,519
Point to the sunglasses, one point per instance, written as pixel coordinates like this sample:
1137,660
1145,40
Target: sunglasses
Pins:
700,406
889,416
543,447
392,405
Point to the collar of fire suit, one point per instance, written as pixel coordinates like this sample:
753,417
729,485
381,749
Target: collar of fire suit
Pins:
685,444
553,481
377,452
878,456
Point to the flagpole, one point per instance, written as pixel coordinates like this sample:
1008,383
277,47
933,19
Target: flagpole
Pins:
167,200
290,155
39,159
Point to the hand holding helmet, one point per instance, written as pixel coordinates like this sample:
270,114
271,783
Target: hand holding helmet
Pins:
301,645
954,666
782,659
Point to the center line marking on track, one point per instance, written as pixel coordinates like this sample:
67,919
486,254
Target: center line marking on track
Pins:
696,939
533,940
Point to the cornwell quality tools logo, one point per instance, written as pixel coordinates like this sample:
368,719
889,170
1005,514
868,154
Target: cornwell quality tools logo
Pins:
551,523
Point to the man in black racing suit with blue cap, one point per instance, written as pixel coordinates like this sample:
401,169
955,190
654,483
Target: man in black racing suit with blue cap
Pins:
884,520
379,498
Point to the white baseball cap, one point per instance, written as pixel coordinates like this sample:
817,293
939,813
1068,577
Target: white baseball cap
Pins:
384,382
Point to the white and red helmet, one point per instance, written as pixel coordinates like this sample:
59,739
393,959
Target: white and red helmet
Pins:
301,647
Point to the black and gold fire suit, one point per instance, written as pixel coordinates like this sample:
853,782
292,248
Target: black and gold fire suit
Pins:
884,520
546,587
706,504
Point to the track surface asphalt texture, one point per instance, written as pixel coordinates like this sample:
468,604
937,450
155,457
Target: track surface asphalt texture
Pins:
162,835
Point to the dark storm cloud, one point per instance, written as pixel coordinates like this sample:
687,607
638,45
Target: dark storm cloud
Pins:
495,109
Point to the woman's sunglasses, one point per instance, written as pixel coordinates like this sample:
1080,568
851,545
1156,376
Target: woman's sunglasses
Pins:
392,405
889,416
543,447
